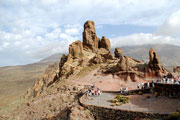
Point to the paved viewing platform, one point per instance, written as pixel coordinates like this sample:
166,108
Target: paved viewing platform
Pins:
161,104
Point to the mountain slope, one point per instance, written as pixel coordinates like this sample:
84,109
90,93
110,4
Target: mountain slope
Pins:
169,54
15,80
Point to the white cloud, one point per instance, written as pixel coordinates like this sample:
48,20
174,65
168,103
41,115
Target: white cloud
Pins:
171,25
141,38
33,29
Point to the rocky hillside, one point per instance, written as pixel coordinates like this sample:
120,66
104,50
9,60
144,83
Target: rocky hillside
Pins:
55,95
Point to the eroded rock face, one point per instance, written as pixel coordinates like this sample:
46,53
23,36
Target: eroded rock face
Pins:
50,76
105,43
118,52
154,62
176,69
90,39
76,49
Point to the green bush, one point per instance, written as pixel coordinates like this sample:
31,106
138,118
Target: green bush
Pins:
174,116
119,100
140,93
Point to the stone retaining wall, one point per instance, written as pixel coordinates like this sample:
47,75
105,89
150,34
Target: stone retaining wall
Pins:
170,90
103,113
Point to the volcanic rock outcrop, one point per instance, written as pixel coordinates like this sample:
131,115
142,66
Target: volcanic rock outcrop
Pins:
58,89
76,49
176,69
154,65
105,43
154,62
90,39
93,51
118,52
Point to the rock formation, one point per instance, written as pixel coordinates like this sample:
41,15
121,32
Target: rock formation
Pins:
154,62
95,51
154,66
90,39
176,69
90,53
76,49
118,52
105,43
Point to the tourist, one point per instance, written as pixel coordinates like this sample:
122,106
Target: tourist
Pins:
99,91
172,81
93,86
167,80
159,80
95,92
148,85
152,83
90,92
126,90
138,85
142,85
177,83
164,80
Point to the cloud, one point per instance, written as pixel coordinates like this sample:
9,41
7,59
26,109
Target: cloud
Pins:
171,25
141,38
31,30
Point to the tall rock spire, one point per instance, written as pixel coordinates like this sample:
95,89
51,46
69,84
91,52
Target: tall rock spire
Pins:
90,39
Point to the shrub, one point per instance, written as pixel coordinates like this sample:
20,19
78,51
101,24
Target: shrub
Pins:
119,100
174,116
140,93
156,94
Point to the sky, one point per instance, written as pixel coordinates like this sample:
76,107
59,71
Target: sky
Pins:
31,30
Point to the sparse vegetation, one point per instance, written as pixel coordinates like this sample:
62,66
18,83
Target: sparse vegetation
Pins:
174,116
87,69
156,94
140,93
119,100
87,112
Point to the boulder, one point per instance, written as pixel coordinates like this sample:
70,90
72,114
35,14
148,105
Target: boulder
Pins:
90,39
118,52
76,49
105,43
176,69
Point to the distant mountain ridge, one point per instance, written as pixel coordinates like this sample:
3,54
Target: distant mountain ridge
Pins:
169,54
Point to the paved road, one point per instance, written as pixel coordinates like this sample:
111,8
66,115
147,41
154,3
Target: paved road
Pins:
138,103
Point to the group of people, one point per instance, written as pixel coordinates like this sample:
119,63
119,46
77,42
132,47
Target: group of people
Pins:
144,85
123,90
166,80
93,91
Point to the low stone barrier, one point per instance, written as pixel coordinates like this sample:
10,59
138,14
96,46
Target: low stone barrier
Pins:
103,113
170,90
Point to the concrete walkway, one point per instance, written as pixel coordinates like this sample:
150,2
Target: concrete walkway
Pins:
138,103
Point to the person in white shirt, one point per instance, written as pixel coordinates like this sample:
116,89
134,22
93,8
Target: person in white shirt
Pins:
148,85
142,85
138,85
172,81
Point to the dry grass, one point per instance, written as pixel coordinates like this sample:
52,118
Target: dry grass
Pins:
14,82
87,69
